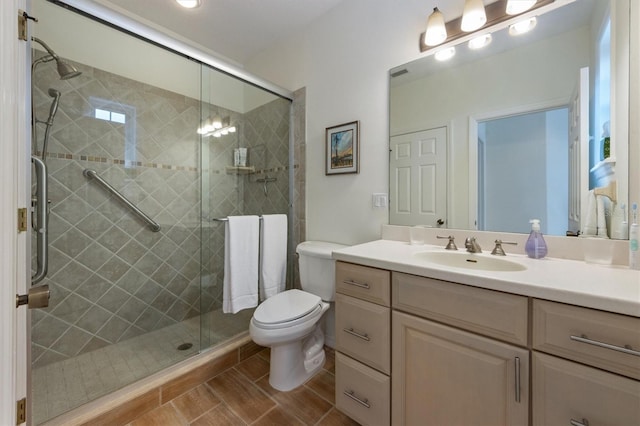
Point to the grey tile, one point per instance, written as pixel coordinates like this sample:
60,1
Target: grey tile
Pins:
132,309
148,319
114,239
164,301
177,284
178,311
94,344
94,225
114,299
113,269
94,256
164,274
113,329
72,243
47,331
71,342
94,288
71,308
148,291
132,280
131,252
94,319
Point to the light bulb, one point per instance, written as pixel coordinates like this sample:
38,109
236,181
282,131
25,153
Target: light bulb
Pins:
445,54
523,26
473,16
436,30
217,122
232,129
188,4
480,42
515,7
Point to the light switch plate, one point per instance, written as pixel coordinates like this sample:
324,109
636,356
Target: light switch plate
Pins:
380,200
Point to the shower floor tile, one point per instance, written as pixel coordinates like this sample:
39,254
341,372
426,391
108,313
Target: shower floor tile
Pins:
242,396
62,386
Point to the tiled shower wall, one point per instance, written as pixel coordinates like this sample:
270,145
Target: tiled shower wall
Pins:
264,131
111,278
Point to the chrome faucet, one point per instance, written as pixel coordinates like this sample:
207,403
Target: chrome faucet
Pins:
472,245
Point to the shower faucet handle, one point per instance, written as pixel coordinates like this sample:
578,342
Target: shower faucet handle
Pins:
451,245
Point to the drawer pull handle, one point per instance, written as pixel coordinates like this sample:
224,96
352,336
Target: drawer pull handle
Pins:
364,402
517,365
584,422
355,333
585,339
351,282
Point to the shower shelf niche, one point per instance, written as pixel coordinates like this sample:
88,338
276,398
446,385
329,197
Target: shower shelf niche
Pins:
233,170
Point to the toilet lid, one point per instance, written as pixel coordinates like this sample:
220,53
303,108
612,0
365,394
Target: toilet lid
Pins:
286,306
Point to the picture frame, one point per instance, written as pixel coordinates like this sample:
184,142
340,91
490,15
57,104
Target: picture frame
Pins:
342,149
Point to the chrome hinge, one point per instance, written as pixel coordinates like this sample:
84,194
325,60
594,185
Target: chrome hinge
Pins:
22,219
21,411
23,17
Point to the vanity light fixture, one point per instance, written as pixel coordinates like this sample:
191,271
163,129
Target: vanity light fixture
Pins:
436,31
493,16
473,15
523,27
515,7
445,54
216,127
480,41
188,4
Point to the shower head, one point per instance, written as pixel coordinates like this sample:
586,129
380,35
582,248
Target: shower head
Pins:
65,69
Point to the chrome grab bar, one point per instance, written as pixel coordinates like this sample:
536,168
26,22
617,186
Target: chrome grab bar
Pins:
94,175
42,220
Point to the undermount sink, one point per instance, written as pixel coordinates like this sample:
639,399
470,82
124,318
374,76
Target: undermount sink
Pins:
469,261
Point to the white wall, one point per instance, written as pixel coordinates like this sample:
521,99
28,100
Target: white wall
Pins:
343,61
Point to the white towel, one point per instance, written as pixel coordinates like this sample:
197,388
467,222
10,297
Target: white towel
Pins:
273,255
240,287
590,227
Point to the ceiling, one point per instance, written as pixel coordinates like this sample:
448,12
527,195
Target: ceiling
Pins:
235,29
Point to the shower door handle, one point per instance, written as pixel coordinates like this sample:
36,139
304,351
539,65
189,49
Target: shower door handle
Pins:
42,220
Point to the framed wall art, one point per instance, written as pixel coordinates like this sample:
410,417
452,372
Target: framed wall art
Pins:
342,151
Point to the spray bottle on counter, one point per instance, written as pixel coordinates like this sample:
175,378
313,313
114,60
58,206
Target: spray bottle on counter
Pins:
535,246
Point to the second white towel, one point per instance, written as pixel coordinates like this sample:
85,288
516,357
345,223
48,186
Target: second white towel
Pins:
240,286
273,255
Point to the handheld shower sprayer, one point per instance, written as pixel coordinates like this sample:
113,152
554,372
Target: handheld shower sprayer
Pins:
65,71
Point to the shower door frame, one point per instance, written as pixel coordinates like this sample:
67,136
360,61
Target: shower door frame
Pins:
16,179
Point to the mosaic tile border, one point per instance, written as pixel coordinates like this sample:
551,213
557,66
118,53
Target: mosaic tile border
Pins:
94,159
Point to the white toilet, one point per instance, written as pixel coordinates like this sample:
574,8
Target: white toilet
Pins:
290,322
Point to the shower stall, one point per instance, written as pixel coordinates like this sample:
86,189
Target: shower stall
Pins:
138,143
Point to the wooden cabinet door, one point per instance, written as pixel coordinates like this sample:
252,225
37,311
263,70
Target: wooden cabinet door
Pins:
566,393
445,376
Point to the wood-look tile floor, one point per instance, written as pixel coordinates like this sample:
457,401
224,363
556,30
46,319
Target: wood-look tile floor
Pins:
242,396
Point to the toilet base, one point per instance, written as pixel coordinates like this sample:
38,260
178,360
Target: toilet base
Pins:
292,364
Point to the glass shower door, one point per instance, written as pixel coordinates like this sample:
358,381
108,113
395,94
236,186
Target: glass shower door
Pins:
125,296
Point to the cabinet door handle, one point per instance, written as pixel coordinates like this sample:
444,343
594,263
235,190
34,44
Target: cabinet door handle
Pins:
364,402
517,366
351,282
625,349
355,333
584,422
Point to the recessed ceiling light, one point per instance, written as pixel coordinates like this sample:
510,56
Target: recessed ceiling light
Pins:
189,4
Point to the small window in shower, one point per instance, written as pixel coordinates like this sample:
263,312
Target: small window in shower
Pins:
118,113
116,117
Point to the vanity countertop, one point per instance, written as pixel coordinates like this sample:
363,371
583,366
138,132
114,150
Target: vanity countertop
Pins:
609,288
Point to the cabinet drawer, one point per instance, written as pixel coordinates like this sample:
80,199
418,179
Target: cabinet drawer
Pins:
363,331
487,312
565,391
600,339
362,393
363,282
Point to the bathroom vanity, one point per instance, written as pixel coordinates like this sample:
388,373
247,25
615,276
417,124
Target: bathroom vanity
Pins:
424,339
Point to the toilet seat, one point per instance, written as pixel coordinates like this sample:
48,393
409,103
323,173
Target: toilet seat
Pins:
286,309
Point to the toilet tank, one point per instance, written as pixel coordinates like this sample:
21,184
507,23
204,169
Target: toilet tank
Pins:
317,268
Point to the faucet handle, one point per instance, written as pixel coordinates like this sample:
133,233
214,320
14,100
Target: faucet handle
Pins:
498,250
451,245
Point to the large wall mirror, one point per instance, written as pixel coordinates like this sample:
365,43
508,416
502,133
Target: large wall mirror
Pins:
530,126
